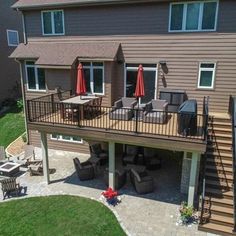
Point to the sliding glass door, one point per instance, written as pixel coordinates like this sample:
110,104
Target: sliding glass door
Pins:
150,81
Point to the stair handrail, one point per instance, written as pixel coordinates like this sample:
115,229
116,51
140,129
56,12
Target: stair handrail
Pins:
206,116
232,110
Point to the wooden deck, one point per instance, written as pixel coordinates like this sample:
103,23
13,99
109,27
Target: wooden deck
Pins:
103,122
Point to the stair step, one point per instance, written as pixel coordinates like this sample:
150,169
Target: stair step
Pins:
220,123
222,210
222,220
219,184
221,129
218,168
220,142
220,162
219,193
221,201
220,147
216,228
220,153
220,176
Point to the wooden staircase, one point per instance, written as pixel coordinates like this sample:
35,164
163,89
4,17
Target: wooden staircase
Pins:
218,206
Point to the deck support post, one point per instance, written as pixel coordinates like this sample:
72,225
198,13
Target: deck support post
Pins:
193,177
112,165
44,146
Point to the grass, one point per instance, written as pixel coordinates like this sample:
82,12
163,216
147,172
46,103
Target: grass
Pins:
57,215
11,126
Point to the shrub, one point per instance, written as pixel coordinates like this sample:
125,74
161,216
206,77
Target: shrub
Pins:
186,213
24,138
20,104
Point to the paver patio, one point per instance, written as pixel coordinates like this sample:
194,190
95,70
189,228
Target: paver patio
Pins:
150,214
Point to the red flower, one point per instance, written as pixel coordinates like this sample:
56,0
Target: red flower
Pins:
109,193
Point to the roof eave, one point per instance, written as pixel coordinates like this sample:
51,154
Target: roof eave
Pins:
92,3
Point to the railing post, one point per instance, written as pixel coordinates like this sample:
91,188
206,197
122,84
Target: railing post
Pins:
52,103
28,116
136,119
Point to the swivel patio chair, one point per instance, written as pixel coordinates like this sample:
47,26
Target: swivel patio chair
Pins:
120,178
155,112
142,182
97,151
152,160
123,109
84,170
130,155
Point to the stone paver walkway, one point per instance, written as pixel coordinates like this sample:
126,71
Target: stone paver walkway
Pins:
151,214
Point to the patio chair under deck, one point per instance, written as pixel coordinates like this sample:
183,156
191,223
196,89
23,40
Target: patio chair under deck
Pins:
85,170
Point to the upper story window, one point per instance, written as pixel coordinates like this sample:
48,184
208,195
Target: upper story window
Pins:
35,77
94,77
206,76
12,38
53,22
193,16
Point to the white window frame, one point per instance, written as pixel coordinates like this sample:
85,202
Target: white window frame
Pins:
213,70
91,67
132,68
53,23
199,19
60,138
8,42
36,78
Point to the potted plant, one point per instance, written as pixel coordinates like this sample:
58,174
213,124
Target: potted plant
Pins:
187,213
111,196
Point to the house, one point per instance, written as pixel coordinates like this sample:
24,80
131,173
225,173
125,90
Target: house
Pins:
11,35
187,50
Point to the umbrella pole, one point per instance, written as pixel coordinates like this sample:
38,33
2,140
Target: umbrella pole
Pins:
137,111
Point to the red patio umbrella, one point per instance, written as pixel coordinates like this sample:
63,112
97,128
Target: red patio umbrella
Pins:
139,91
80,86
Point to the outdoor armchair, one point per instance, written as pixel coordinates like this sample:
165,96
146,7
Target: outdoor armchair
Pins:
84,170
123,109
9,186
97,151
142,182
155,112
130,155
120,178
152,160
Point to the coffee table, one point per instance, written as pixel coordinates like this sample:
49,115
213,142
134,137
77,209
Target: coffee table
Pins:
9,169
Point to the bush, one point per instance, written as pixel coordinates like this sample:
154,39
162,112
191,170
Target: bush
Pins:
187,213
20,104
24,138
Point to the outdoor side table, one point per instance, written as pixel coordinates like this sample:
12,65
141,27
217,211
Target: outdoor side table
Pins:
139,109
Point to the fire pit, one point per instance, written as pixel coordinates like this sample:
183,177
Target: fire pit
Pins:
9,169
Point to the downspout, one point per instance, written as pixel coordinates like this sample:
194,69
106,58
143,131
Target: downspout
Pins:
24,28
24,99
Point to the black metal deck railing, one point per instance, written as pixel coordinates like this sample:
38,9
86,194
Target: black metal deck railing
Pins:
232,111
56,112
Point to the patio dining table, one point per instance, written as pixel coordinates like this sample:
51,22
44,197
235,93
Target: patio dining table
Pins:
79,100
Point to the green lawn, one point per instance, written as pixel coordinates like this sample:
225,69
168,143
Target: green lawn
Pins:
57,215
11,126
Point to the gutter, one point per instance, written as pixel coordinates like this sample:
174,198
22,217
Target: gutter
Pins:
24,99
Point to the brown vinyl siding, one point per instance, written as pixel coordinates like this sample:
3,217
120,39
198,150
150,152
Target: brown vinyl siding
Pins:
149,19
10,74
59,145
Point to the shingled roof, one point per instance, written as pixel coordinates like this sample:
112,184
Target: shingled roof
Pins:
64,54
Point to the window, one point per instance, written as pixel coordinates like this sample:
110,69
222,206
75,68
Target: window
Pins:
53,22
150,80
35,77
65,138
193,16
206,75
94,77
12,38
